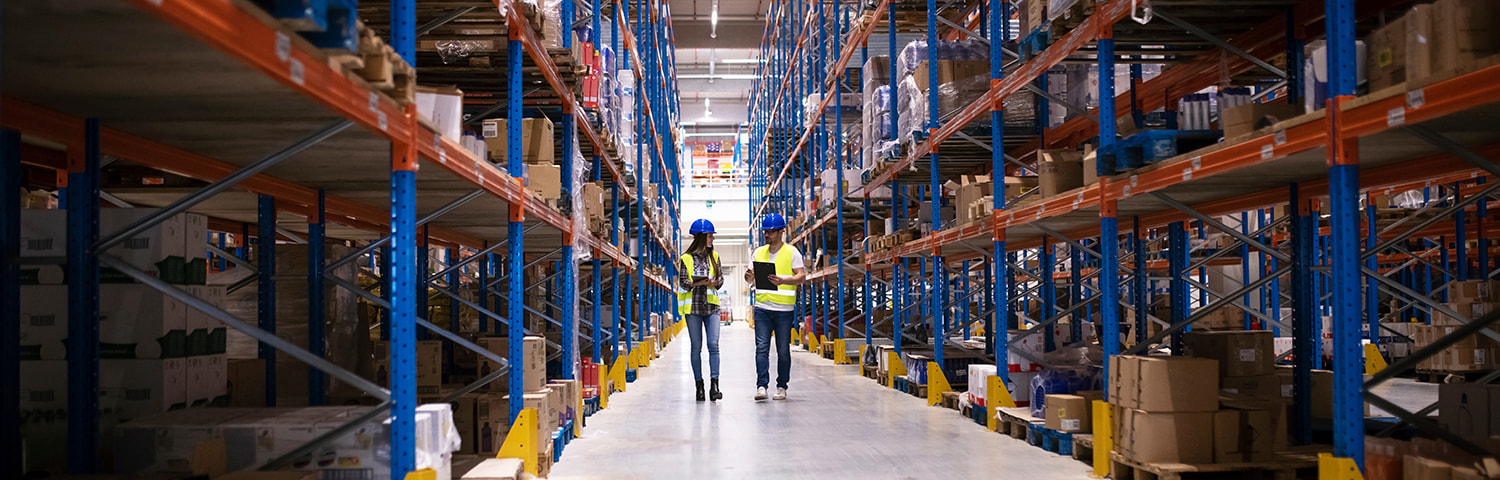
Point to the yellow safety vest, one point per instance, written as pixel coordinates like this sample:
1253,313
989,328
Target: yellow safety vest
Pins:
685,297
783,294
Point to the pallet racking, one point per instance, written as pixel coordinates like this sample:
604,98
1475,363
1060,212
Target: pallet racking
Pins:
204,90
1344,155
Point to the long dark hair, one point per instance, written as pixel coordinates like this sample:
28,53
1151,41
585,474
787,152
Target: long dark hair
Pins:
699,245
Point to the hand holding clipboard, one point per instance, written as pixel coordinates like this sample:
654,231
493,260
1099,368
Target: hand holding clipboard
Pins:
764,271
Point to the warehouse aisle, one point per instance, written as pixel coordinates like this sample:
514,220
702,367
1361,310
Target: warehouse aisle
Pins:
835,424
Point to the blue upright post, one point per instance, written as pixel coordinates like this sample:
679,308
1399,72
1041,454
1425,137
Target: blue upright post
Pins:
450,348
936,200
1177,261
1142,283
1304,315
1480,213
83,305
486,268
515,251
266,287
403,317
1075,293
1372,286
1048,264
614,269
998,328
569,302
10,302
1343,189
1245,270
597,292
317,383
386,276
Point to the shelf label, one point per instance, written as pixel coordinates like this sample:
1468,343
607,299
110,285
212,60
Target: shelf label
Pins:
283,46
1281,137
374,102
297,72
381,117
1126,194
1133,180
1416,98
1040,210
1197,163
1187,174
1267,151
1395,117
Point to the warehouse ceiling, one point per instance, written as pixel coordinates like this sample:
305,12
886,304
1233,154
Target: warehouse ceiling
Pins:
714,63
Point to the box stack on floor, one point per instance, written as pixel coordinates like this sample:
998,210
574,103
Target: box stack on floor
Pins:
1470,299
156,353
1471,411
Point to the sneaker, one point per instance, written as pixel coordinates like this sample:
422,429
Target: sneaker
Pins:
780,394
760,393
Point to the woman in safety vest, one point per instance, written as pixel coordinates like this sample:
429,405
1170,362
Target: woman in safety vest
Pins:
774,308
698,302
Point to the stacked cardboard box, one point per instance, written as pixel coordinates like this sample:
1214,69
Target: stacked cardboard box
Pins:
536,140
1470,410
1470,299
1246,362
1449,38
1072,413
1165,408
1060,171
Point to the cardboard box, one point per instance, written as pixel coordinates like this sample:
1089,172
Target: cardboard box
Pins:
491,422
533,362
444,107
950,71
246,382
545,180
1465,409
541,401
496,469
1248,118
206,335
1165,384
207,379
1267,387
1449,38
498,346
1163,437
137,321
572,398
1248,432
536,140
429,365
1015,186
1474,291
1419,468
1239,354
1091,168
44,322
1468,310
1068,413
1387,49
137,388
1060,171
195,256
1322,390
593,202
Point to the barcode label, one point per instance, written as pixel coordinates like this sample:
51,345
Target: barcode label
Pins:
1267,151
1071,423
1395,117
491,130
1416,98
1248,354
353,474
1281,137
283,46
297,72
39,244
138,243
42,395
43,320
137,394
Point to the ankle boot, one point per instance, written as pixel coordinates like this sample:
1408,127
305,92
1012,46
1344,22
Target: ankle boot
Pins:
713,391
700,390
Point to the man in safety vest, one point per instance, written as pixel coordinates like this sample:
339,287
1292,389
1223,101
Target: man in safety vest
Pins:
773,308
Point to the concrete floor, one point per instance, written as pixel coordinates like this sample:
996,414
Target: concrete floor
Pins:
835,424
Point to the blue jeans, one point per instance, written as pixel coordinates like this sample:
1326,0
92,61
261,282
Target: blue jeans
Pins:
766,323
696,325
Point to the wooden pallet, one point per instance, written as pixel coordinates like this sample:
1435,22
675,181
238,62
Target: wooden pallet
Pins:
1283,466
950,400
1440,376
1083,447
1050,440
1017,422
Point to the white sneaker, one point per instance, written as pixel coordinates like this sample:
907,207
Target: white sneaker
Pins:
780,394
760,393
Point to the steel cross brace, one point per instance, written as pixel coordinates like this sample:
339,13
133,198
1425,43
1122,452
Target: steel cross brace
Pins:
1248,288
1233,302
237,261
449,207
1219,42
1443,216
1225,229
1423,299
1076,244
470,259
1237,243
247,171
1437,346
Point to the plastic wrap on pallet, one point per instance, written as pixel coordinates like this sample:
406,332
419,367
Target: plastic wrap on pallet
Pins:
1083,82
1059,382
1230,97
341,317
952,97
608,60
914,53
454,51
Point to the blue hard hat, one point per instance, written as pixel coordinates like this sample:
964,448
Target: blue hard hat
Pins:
773,222
701,225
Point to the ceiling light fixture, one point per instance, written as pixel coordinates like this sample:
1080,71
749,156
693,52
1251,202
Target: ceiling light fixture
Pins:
713,21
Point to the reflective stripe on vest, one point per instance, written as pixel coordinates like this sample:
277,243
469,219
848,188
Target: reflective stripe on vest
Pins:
685,297
783,294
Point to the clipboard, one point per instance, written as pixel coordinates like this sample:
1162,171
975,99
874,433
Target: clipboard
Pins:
763,272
